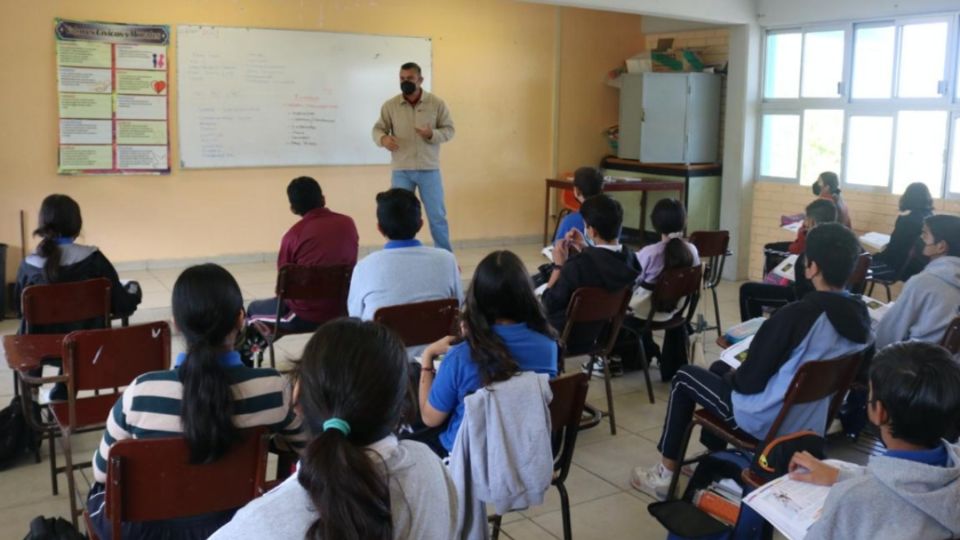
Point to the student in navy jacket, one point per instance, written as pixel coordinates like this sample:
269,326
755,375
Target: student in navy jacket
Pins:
826,323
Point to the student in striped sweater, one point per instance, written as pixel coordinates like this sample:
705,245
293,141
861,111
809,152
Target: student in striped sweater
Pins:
208,397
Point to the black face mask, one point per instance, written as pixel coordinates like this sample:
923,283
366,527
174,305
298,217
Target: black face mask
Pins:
816,188
407,88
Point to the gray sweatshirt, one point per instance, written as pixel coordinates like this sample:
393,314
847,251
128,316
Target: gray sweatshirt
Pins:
927,304
423,502
893,499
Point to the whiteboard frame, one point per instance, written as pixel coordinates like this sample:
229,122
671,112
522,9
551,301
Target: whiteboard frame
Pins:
175,41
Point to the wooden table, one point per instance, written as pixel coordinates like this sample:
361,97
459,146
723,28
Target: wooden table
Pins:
638,184
26,352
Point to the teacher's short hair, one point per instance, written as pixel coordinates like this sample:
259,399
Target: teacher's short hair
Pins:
411,65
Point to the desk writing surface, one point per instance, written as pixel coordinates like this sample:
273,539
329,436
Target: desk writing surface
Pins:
25,352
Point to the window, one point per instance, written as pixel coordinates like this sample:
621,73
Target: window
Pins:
778,152
883,114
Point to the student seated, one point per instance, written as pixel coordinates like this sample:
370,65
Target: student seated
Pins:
827,323
404,271
912,490
930,299
321,238
59,259
596,259
756,296
669,219
205,388
355,480
916,205
587,182
826,187
504,331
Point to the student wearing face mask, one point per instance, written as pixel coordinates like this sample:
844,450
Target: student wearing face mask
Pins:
596,259
930,299
411,126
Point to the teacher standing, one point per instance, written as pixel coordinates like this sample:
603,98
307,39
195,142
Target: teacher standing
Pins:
412,125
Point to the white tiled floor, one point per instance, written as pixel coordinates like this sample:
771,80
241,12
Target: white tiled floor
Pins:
603,504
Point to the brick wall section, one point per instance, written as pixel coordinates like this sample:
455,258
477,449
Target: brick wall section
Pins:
713,46
868,212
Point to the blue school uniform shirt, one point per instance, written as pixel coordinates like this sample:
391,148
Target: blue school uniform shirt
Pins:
459,375
573,220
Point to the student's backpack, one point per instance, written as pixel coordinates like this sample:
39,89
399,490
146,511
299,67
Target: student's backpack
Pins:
16,437
42,528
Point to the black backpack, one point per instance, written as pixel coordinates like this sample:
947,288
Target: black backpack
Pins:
16,437
42,528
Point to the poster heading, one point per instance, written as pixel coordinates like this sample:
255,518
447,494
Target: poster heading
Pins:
113,33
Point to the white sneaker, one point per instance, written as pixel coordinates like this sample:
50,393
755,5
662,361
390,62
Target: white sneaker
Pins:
654,481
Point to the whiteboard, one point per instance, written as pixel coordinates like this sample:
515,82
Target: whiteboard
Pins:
253,97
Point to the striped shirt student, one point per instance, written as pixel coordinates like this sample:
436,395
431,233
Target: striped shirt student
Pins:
150,407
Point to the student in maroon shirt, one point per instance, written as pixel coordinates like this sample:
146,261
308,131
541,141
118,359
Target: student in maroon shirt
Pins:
320,238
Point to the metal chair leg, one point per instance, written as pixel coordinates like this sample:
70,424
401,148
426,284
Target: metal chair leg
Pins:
675,479
53,463
606,384
71,484
716,310
565,511
495,532
645,362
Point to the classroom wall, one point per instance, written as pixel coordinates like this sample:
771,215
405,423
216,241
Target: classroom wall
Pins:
494,62
868,212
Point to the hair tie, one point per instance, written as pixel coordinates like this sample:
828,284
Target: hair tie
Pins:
338,424
678,234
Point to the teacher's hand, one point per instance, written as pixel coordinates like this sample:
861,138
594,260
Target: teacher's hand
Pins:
424,132
390,143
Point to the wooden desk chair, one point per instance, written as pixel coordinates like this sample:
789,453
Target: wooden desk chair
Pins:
421,323
814,381
570,205
873,280
153,479
713,248
59,305
295,282
857,283
679,286
566,409
951,338
99,360
604,309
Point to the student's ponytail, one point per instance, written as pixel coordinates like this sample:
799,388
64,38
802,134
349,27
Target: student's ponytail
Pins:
207,304
676,254
59,218
352,380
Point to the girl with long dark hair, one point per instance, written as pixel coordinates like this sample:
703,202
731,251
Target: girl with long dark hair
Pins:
355,481
505,331
207,382
902,257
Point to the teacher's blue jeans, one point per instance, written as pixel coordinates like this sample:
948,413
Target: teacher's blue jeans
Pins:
430,186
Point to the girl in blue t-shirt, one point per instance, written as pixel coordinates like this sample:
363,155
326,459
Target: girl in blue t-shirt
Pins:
504,332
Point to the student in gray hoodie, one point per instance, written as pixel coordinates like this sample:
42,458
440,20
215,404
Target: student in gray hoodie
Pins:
913,489
930,299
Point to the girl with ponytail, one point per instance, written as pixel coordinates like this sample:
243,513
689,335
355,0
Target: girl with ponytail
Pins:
60,259
355,480
204,388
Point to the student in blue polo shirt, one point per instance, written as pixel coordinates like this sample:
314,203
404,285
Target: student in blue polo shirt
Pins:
587,182
504,332
404,271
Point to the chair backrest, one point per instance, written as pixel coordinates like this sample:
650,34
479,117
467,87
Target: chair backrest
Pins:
816,380
113,357
857,282
421,322
712,247
153,479
296,282
63,303
566,409
597,306
951,338
677,286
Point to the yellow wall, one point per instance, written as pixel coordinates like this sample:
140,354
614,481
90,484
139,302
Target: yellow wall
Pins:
494,62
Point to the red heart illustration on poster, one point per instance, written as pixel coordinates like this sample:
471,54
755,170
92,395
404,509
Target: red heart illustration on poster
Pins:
159,86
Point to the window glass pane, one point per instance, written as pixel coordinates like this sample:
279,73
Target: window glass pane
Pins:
822,63
778,149
955,169
868,150
922,55
921,140
782,66
873,61
822,140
